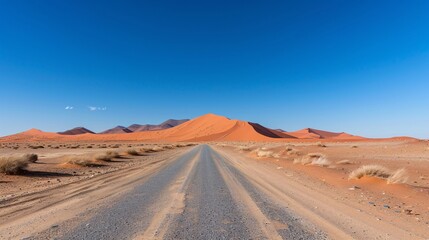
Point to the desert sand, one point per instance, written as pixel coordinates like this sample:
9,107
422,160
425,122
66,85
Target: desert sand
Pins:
310,172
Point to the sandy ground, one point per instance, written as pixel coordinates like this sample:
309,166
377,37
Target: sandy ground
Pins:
53,199
403,204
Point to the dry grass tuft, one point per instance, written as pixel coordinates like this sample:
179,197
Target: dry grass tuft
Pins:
133,152
316,159
81,161
244,148
157,149
113,154
392,177
371,171
13,165
344,162
31,157
103,157
264,153
399,176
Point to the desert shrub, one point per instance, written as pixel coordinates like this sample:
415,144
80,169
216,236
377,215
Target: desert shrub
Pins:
264,153
31,157
244,148
371,171
81,161
317,159
13,165
157,149
398,176
103,157
133,152
321,144
113,154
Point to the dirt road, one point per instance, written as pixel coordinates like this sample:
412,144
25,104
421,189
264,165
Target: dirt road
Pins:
203,193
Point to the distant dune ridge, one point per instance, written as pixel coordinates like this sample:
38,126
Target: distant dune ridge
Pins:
76,131
150,127
209,127
117,130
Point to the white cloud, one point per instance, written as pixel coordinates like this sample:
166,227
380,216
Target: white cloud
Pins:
92,108
69,108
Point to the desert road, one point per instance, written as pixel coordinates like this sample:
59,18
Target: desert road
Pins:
199,193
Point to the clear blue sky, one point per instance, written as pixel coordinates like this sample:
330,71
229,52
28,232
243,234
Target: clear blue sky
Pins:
355,66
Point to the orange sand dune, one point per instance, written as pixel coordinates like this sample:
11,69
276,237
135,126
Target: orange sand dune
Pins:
310,133
208,127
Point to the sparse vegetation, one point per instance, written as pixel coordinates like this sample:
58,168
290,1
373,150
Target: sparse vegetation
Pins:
113,154
244,148
157,149
133,152
398,176
371,171
264,153
81,161
31,157
317,159
344,162
104,158
13,165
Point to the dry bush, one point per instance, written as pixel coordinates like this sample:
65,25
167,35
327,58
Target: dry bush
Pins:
244,148
344,162
317,159
31,157
371,171
133,152
157,149
319,144
398,176
103,157
113,154
168,147
13,165
264,153
81,161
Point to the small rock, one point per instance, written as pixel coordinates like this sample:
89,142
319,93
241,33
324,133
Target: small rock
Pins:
386,206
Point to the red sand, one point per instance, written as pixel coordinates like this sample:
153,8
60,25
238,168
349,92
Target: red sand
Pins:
208,127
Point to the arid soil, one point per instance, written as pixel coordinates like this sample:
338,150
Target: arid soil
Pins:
262,190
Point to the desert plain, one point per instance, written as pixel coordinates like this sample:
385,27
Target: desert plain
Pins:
212,178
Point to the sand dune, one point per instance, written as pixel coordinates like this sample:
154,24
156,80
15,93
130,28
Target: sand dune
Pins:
311,133
117,129
151,127
76,131
209,127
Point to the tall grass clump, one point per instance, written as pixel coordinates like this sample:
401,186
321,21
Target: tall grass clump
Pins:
316,159
13,165
133,152
81,161
398,176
